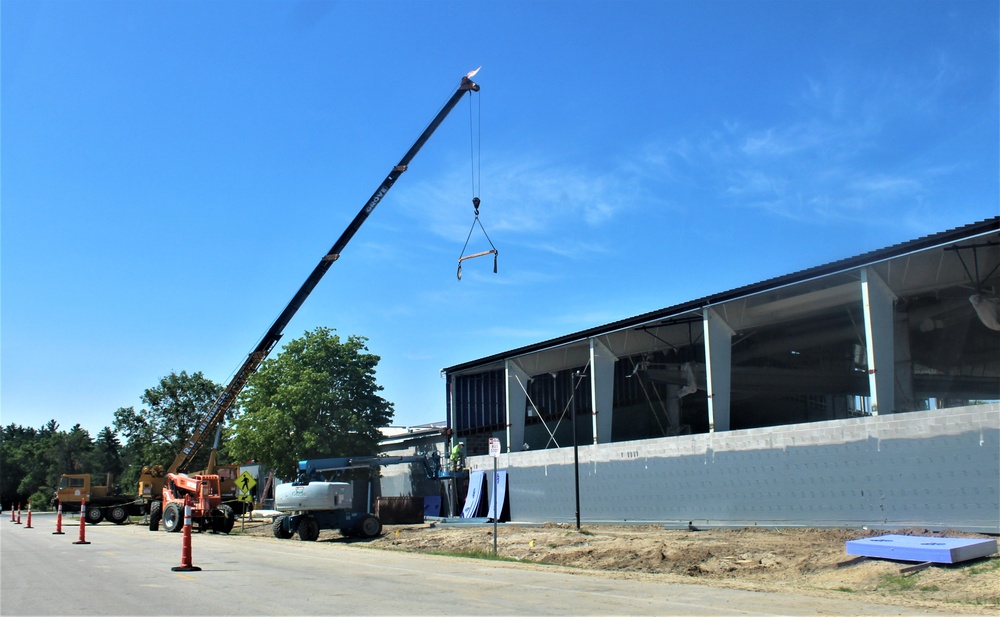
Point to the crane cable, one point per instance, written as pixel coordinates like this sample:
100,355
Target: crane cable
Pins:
476,177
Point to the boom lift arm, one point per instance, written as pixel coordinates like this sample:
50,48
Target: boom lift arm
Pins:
218,411
318,469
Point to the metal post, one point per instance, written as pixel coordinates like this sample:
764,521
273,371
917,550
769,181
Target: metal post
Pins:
496,505
576,456
371,481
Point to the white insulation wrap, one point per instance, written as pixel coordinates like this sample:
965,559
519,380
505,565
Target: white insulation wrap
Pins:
313,496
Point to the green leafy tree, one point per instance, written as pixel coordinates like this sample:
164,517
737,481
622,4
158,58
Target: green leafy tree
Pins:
317,398
155,434
72,452
55,452
34,459
108,452
17,447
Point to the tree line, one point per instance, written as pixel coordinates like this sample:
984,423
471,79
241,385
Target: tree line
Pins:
317,398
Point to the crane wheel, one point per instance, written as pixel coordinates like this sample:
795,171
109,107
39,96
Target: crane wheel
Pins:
118,515
94,515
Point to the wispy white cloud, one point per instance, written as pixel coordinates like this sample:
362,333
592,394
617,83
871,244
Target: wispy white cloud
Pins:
849,144
529,197
845,149
886,186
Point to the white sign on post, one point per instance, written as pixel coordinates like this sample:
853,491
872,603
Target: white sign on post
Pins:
494,447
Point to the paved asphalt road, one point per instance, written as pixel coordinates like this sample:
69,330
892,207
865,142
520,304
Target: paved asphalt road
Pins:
126,570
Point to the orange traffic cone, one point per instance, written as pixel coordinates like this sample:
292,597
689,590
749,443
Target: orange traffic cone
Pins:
18,521
186,565
28,526
58,531
83,522
12,510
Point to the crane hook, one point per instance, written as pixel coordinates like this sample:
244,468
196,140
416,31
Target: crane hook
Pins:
493,250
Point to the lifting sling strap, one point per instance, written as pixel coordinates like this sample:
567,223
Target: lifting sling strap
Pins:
493,249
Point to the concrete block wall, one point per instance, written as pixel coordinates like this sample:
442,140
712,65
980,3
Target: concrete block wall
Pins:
935,469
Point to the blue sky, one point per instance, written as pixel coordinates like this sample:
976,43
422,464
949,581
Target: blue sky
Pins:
172,171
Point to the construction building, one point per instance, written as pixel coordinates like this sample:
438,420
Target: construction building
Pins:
860,392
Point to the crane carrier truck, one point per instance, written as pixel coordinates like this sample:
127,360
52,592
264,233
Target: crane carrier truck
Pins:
103,501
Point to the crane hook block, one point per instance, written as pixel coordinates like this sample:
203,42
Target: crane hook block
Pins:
475,204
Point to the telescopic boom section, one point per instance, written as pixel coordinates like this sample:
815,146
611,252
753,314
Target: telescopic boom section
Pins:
270,339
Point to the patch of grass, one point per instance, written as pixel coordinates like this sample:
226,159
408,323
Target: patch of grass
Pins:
844,589
901,583
897,582
989,566
475,554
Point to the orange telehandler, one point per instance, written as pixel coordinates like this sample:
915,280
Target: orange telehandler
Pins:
207,509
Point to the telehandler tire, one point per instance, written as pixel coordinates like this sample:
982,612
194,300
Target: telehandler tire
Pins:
173,518
223,519
230,517
155,514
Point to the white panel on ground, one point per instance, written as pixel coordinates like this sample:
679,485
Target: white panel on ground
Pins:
498,497
474,498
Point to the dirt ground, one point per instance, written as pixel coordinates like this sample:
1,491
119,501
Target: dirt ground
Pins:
793,560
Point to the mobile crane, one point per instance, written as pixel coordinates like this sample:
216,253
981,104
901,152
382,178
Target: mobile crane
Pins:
152,479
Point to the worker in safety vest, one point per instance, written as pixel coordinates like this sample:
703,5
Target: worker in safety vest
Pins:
456,456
